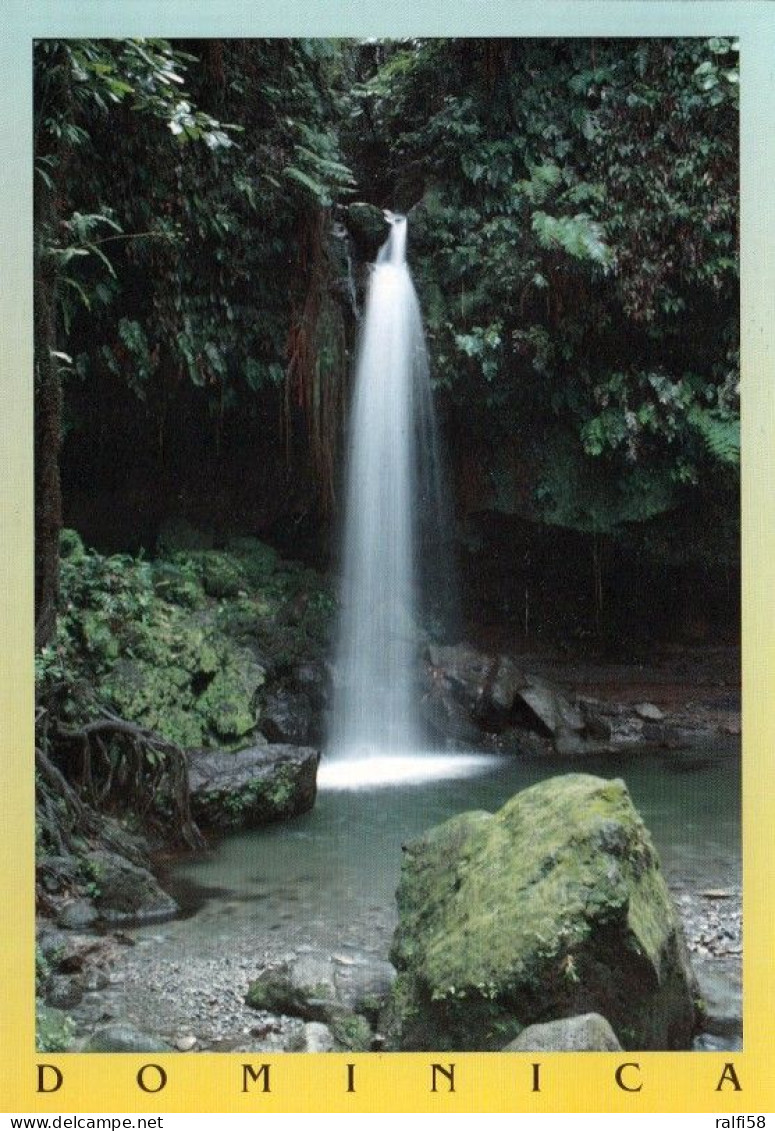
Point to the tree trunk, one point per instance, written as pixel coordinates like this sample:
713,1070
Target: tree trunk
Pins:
48,380
48,428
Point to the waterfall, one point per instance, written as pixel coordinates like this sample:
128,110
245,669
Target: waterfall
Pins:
394,517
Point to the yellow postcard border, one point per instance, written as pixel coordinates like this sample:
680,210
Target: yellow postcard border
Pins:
565,1082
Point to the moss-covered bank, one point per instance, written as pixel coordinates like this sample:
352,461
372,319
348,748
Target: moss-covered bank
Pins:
186,645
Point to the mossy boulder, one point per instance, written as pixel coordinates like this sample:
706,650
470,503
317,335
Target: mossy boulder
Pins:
185,682
307,988
190,644
302,989
252,787
124,891
553,907
145,637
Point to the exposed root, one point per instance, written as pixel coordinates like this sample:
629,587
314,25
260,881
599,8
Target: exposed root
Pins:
121,767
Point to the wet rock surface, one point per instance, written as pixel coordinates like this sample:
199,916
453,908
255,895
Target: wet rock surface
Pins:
536,701
124,891
555,902
253,786
586,1033
288,716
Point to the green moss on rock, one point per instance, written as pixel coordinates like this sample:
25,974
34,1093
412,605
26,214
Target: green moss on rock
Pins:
277,990
555,906
252,786
54,1030
181,645
351,1031
221,573
139,639
179,583
257,560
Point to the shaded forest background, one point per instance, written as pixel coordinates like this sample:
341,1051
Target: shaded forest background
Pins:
205,215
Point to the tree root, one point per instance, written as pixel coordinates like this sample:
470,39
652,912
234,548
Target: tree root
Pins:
123,768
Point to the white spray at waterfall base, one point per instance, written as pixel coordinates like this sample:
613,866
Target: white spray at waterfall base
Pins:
396,512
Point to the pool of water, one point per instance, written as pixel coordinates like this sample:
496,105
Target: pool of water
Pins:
327,880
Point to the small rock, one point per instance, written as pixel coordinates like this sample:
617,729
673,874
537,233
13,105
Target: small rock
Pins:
124,1038
588,1032
77,915
649,711
95,979
64,992
185,1044
317,1037
352,1031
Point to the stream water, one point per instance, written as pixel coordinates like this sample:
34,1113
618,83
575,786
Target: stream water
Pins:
331,875
326,881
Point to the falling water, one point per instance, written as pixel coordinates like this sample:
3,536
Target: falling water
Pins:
394,506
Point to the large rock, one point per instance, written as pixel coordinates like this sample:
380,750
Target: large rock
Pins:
465,671
553,907
558,715
287,717
124,891
588,1033
252,787
122,1037
304,988
344,994
494,692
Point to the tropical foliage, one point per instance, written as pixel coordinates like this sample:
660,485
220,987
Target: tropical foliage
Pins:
575,237
573,232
